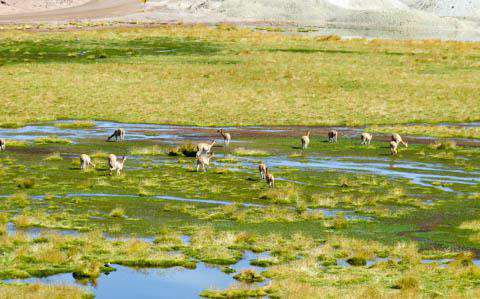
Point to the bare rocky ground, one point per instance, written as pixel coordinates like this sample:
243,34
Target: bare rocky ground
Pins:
446,19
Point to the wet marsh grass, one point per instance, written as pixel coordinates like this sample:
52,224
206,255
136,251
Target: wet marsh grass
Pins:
232,64
77,124
304,248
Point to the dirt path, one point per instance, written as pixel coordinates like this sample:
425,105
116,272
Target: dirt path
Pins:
92,10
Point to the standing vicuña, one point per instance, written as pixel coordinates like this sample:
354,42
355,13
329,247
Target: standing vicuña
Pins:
116,164
203,161
85,161
270,178
393,147
398,139
366,138
226,137
262,168
2,144
118,134
332,136
305,140
204,148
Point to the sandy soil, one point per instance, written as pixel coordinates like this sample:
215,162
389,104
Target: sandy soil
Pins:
365,18
25,6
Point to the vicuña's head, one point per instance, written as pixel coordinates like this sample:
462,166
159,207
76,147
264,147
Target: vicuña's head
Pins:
220,131
405,143
308,133
213,141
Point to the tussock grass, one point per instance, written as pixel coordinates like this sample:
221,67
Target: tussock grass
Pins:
430,130
249,276
471,225
77,124
118,213
25,183
16,143
99,154
52,140
443,145
38,291
241,151
185,150
283,194
154,150
54,157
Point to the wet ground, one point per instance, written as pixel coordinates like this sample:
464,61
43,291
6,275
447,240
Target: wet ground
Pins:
185,283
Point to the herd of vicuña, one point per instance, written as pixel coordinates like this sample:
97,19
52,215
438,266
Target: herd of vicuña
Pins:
204,151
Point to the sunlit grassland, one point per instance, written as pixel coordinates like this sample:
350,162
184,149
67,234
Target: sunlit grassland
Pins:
431,130
42,291
224,75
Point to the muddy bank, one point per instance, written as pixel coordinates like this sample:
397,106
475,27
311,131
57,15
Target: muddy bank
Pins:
173,133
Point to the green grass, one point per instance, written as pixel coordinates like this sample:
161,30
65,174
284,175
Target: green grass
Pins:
78,124
225,75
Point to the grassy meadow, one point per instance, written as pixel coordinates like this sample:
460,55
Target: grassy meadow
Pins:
344,220
226,75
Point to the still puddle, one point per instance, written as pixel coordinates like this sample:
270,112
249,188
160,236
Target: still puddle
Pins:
104,129
125,282
423,174
147,283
